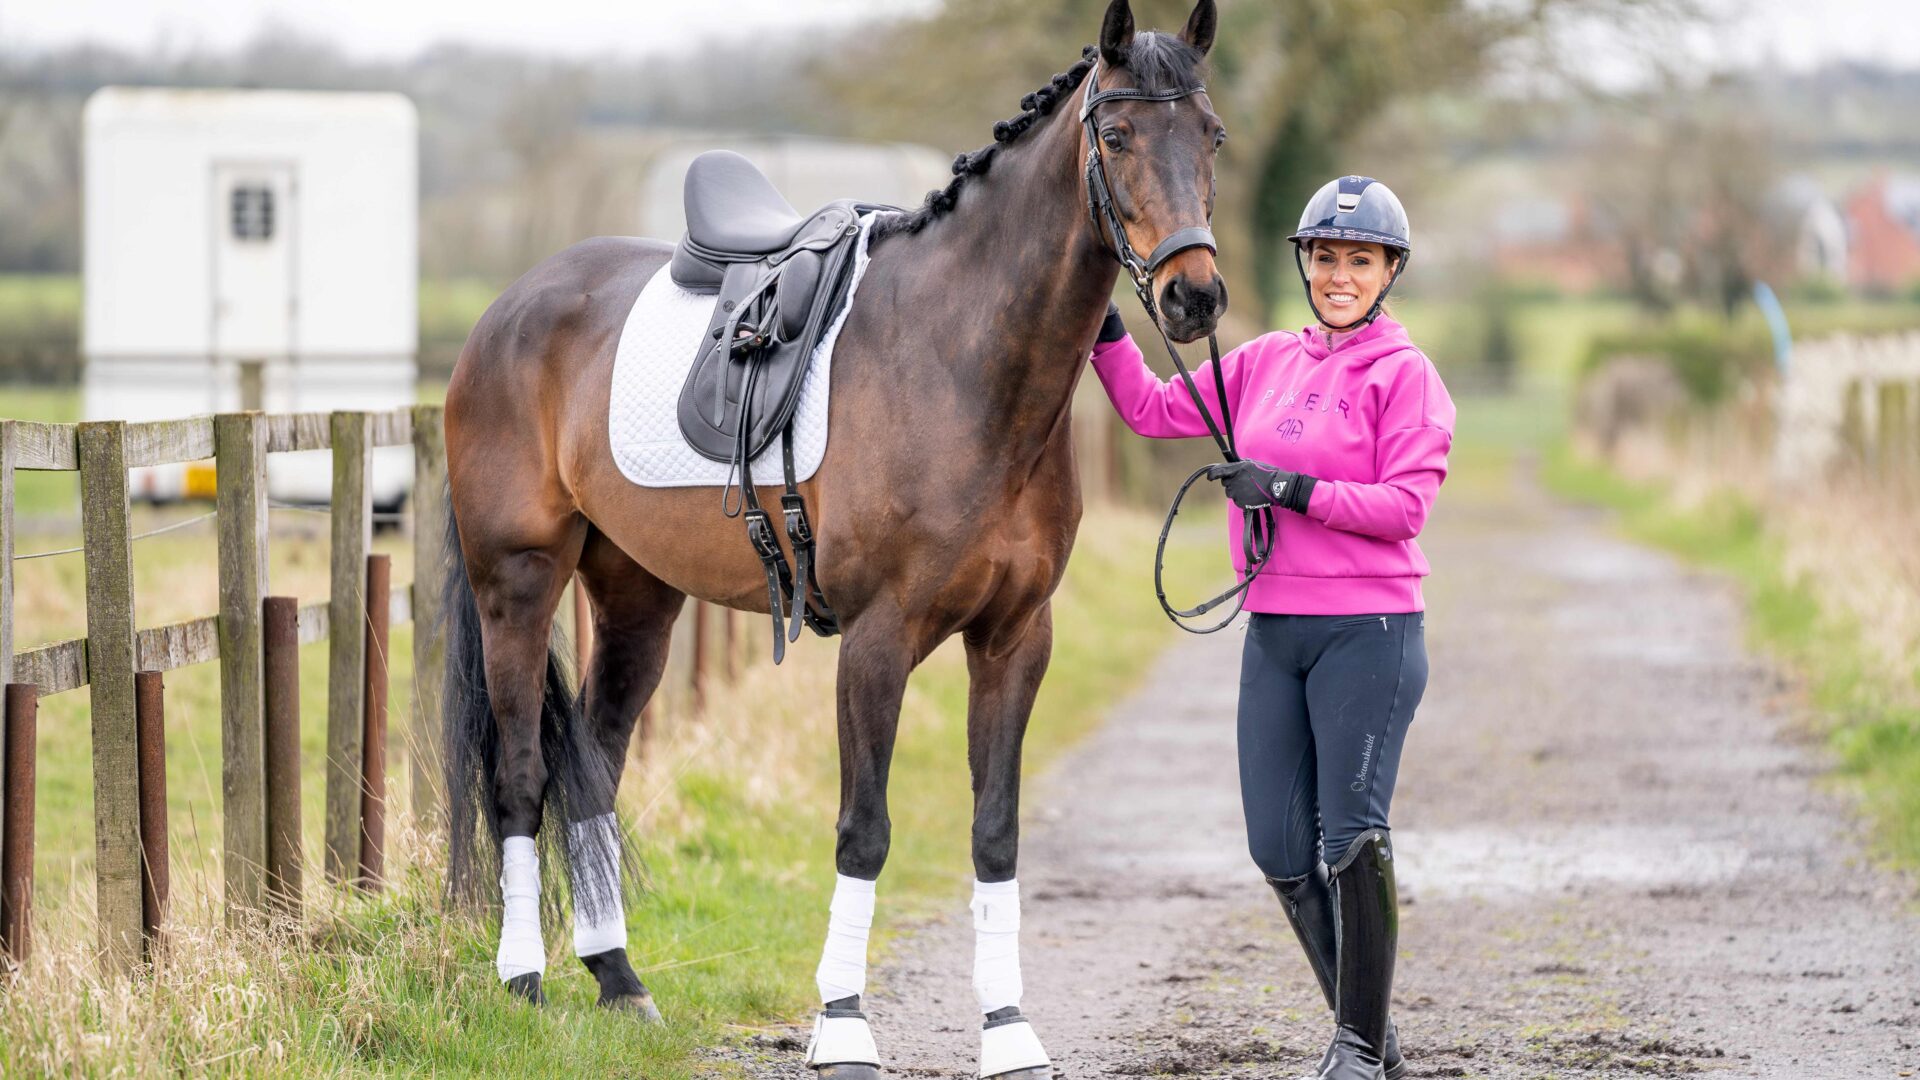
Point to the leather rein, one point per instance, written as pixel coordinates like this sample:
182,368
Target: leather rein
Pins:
1258,531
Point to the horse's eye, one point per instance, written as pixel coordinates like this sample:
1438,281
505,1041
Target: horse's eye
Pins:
1113,140
1219,138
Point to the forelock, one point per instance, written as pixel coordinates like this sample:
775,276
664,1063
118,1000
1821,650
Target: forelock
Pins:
1162,62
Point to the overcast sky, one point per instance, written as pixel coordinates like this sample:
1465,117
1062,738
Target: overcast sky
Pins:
1792,32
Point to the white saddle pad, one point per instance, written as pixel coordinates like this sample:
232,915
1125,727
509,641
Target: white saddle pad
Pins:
656,350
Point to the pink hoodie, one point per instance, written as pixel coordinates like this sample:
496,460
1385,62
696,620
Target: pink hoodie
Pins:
1368,419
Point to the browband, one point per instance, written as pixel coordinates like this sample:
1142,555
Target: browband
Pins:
1094,97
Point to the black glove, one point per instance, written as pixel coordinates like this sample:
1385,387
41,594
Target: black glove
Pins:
1113,329
1254,484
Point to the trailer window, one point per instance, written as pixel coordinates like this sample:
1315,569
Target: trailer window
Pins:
252,213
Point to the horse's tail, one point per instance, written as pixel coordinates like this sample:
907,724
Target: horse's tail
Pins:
577,781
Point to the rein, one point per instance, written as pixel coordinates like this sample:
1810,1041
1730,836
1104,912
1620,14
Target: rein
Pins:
1258,527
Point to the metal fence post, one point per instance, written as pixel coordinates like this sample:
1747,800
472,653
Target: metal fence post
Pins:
373,741
16,836
280,667
155,878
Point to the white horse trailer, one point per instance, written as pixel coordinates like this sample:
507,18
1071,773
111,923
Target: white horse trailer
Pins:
251,250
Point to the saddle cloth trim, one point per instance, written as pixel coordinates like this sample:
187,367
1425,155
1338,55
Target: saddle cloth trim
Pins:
658,342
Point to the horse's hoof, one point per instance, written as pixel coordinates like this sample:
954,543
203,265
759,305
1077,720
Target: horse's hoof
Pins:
1038,1072
641,1005
527,988
847,1072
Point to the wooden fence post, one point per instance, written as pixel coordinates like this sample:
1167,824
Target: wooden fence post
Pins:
730,646
9,453
373,741
9,450
16,836
280,670
703,622
108,547
240,457
1893,446
429,577
347,640
155,878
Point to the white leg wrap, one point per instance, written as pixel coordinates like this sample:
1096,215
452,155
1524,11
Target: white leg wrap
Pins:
521,950
1010,1046
842,1040
843,962
595,846
996,944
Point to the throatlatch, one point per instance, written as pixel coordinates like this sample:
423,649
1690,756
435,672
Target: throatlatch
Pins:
1258,532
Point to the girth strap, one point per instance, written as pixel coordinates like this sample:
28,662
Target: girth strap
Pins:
793,594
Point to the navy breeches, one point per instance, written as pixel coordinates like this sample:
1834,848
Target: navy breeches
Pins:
1325,702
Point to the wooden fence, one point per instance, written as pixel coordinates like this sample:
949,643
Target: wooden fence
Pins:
1849,398
253,636
115,652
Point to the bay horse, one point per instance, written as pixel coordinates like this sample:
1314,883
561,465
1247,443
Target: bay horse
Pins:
947,503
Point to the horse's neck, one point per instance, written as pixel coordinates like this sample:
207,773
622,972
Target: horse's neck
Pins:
1019,251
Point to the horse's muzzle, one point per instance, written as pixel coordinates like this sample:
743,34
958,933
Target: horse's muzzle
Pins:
1190,311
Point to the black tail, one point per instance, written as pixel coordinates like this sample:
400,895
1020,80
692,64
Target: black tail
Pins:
578,784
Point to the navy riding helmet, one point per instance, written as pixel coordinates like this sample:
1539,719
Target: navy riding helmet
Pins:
1361,209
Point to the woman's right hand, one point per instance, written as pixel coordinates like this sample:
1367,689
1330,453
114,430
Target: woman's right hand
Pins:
1113,329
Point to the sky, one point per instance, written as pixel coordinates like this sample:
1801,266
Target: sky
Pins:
1792,33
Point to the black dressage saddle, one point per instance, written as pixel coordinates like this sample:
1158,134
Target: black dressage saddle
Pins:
778,278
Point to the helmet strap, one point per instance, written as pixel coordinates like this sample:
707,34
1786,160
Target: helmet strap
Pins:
1300,264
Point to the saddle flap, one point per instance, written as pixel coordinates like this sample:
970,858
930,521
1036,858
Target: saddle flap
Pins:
799,281
768,317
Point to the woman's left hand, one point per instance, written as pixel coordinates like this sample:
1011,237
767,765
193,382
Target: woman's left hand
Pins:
1254,484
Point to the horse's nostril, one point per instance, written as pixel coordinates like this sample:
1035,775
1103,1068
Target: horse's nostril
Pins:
1198,303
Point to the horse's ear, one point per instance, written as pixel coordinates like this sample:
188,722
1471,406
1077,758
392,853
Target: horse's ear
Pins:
1116,33
1200,26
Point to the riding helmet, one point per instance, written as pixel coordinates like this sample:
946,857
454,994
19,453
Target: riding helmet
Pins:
1356,208
1361,209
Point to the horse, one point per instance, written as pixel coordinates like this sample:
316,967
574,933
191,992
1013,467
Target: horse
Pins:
947,503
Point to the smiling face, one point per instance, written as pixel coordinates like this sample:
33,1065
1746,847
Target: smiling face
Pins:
1345,277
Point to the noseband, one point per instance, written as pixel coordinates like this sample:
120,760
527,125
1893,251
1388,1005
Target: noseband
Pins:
1257,525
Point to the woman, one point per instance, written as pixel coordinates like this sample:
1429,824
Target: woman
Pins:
1345,429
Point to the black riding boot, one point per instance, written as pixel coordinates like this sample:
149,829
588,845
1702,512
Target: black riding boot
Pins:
1308,902
1369,928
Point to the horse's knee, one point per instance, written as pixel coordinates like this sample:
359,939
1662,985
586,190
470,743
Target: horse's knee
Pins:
860,850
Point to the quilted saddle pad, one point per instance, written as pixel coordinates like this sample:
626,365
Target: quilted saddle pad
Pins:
656,350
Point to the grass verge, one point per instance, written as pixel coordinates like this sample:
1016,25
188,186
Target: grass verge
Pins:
733,809
1871,719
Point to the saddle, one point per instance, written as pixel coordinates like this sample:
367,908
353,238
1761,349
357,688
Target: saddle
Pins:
778,278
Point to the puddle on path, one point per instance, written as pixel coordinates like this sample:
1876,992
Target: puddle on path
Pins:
1498,864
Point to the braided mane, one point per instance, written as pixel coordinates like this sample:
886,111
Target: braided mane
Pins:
1158,61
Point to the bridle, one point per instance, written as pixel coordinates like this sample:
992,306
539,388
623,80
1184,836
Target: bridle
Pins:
1257,534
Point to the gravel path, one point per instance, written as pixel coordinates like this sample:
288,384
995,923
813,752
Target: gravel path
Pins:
1615,856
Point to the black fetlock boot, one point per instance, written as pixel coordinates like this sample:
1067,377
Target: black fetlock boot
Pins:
1308,902
1368,922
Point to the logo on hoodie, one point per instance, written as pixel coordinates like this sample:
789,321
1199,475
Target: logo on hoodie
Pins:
1291,430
